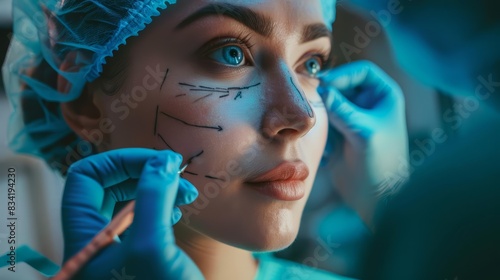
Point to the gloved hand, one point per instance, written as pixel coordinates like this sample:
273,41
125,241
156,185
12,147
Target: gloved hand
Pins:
149,252
366,109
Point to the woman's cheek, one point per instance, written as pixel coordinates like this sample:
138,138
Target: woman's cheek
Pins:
317,136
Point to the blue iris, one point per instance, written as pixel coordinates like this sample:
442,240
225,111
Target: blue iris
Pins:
313,66
232,55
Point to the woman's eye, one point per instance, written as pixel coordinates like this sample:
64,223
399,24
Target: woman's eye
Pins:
313,66
230,55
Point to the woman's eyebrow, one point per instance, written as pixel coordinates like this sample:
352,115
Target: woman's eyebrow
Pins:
315,31
257,22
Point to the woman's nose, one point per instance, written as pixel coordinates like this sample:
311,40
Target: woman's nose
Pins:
288,113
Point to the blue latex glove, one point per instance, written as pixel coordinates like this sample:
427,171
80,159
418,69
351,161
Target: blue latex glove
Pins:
149,252
366,109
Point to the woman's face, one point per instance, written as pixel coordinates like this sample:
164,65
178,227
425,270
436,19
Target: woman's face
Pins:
231,85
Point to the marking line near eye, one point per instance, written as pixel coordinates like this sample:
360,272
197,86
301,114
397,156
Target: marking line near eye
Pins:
209,90
240,88
208,95
205,88
309,110
187,85
226,91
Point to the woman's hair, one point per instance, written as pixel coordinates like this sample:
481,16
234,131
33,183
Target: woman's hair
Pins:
69,148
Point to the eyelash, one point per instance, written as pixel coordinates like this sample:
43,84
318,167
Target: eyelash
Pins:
323,58
243,39
220,42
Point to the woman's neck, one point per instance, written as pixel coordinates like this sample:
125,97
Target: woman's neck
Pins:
216,260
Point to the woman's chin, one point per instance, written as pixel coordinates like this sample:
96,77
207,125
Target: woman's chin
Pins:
259,243
271,245
255,237
259,239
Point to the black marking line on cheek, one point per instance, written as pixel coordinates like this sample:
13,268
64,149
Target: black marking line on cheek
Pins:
206,87
179,95
191,160
225,95
242,88
238,95
195,156
203,97
309,110
208,90
156,120
164,78
186,85
218,128
214,178
163,139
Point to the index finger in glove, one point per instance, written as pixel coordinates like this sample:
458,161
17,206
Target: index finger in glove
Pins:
364,84
84,192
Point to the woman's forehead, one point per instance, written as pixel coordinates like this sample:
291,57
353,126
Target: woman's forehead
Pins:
283,12
269,18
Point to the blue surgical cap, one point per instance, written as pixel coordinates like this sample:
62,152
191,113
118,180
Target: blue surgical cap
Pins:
66,39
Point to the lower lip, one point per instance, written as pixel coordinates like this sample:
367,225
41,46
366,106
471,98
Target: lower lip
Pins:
291,190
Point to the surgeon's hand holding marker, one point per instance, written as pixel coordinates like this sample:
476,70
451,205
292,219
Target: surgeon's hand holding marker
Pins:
366,108
149,252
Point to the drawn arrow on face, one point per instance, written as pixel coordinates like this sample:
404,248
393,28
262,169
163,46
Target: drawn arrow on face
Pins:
218,128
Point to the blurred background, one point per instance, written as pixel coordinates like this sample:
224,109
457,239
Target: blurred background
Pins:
39,190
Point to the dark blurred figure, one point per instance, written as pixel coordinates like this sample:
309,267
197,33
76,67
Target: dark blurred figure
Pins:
4,44
451,45
445,224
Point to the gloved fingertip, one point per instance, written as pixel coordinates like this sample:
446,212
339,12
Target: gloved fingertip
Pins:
157,161
176,215
329,96
322,90
322,74
172,162
191,190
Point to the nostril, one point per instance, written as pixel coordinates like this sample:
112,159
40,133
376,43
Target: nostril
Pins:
288,133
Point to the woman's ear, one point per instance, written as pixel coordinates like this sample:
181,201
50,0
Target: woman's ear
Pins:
82,114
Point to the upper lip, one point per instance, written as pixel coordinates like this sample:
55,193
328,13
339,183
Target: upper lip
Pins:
285,171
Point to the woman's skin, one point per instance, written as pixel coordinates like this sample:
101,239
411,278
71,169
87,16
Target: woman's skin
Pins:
236,122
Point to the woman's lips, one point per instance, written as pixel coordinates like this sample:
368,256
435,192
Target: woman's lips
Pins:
284,182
